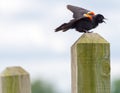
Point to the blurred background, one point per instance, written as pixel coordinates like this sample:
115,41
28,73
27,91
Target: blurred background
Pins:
27,39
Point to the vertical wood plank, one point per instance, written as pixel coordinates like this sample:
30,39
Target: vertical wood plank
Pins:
91,64
15,80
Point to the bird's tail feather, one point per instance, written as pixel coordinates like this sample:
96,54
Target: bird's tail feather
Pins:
64,27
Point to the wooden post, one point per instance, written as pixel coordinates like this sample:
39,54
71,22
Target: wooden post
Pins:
14,80
91,64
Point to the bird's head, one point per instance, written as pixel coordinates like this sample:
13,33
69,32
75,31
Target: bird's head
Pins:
100,18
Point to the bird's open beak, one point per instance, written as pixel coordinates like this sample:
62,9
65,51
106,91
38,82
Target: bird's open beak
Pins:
105,19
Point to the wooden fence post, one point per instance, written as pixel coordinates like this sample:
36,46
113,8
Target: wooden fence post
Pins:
91,64
15,80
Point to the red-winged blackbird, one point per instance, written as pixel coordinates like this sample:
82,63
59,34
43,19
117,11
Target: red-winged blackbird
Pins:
83,20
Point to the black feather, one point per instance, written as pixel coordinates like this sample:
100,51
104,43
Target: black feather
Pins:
80,22
78,12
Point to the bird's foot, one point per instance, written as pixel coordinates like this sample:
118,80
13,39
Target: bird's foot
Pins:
90,32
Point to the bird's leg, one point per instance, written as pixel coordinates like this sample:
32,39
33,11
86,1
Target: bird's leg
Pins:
87,31
90,32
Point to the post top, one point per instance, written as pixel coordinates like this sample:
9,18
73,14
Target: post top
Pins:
91,38
12,71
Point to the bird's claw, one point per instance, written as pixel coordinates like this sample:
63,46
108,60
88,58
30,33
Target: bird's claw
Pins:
88,31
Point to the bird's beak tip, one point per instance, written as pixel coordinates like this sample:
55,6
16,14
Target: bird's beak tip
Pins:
104,22
105,19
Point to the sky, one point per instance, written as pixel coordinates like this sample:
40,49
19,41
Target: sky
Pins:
27,37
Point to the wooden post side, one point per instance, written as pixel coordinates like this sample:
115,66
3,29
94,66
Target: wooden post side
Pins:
15,80
91,64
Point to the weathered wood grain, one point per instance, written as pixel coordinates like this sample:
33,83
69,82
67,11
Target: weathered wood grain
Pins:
15,80
90,64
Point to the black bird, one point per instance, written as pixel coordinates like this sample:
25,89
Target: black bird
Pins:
83,20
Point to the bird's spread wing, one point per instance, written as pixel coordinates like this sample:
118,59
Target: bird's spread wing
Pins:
78,12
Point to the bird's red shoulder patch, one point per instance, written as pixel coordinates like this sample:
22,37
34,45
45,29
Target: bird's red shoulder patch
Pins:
89,15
